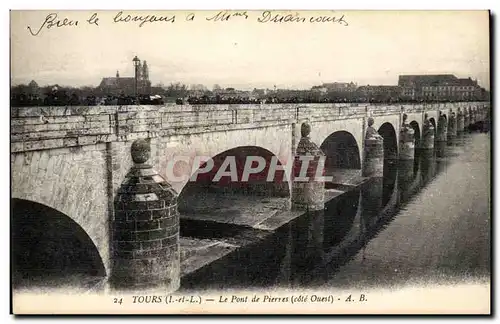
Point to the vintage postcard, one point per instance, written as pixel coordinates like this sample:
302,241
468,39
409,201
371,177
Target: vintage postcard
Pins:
250,162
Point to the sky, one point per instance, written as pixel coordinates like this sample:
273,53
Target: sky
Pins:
366,47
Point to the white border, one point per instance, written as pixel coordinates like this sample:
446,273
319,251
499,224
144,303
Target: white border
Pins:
193,4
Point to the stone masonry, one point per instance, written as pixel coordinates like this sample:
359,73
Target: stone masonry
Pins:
145,231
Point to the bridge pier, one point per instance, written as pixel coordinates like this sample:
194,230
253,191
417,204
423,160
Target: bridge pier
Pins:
373,165
308,186
452,128
406,141
472,116
442,135
466,119
308,194
145,230
460,122
428,135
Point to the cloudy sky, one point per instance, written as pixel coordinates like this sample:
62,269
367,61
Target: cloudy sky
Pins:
374,47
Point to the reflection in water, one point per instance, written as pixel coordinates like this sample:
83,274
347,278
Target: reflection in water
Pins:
441,234
427,165
389,181
406,176
371,203
307,240
440,148
416,161
339,217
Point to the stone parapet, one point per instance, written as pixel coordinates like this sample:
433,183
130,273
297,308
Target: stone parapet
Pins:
40,128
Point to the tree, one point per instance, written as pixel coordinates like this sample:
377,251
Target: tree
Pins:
198,87
176,90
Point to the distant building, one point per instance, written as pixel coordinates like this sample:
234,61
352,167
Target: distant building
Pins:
439,87
126,85
234,93
335,87
459,89
376,91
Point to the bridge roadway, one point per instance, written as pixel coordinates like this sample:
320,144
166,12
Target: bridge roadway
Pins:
73,160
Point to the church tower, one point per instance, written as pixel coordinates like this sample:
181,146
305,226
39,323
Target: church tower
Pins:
145,71
139,72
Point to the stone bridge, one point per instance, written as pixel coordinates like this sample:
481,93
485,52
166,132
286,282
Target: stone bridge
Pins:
68,163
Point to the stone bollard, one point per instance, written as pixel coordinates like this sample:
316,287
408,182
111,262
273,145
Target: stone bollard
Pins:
428,136
145,232
373,164
308,194
406,141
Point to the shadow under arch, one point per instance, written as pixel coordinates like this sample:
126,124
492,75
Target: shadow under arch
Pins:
443,119
342,151
49,249
343,160
218,197
387,131
433,122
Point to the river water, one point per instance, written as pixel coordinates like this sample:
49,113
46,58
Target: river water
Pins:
440,233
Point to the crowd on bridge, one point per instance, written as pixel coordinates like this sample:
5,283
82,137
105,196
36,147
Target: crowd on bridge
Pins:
61,98
206,100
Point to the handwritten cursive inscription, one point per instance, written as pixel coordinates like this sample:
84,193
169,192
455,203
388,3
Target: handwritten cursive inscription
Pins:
225,16
271,17
120,18
52,21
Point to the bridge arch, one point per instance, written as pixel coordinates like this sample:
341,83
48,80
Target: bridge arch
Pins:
49,248
222,190
387,131
342,151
